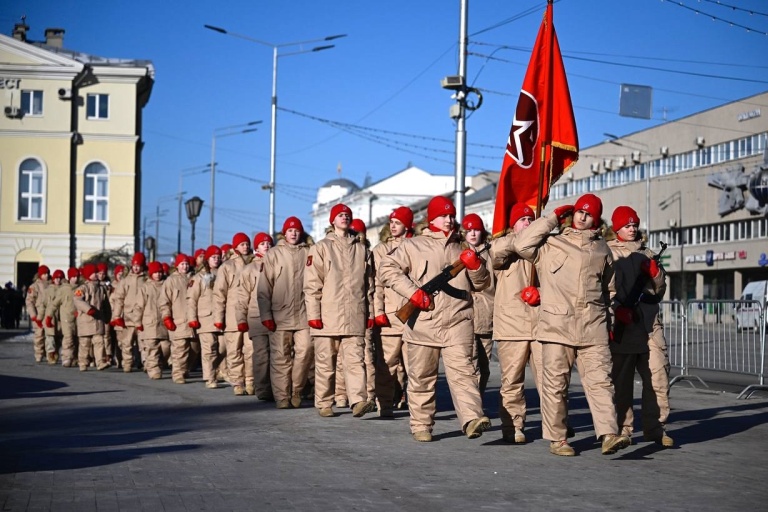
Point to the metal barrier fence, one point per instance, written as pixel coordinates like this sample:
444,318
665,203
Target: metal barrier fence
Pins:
716,335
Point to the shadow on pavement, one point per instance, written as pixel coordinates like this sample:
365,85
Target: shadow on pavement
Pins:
12,387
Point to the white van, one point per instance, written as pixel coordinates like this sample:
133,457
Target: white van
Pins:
748,315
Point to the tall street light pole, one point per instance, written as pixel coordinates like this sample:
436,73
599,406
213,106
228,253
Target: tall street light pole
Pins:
240,129
273,142
678,196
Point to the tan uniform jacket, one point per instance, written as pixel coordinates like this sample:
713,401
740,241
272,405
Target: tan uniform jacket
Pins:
151,318
338,286
200,300
62,307
281,287
225,293
627,259
413,264
48,296
125,299
575,269
513,319
482,301
89,295
385,299
247,309
173,303
34,299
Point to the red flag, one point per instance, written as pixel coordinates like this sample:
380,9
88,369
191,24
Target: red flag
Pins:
543,118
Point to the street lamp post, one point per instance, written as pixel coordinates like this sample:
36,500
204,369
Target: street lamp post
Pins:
193,206
273,141
678,196
240,129
200,169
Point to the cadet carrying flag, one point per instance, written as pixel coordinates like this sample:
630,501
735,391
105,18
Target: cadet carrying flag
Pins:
543,121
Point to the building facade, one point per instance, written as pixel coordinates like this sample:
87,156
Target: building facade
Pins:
70,153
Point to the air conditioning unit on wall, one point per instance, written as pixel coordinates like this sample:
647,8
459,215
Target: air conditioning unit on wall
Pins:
636,157
594,167
13,112
608,164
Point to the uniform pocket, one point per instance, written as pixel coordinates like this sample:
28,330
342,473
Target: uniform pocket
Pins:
557,263
554,309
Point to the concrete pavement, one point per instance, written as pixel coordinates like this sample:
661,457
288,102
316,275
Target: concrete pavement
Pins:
115,441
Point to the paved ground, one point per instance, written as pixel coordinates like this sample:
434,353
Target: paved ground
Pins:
113,441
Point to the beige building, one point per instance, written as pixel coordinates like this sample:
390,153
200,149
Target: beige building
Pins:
70,153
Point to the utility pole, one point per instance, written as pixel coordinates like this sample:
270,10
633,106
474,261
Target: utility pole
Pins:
461,132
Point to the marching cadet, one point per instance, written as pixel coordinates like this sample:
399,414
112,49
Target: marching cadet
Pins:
61,311
126,314
114,339
102,273
153,331
34,302
514,317
447,329
482,303
226,252
225,297
638,330
388,335
256,347
173,305
200,314
358,227
575,269
283,313
89,298
52,329
199,259
338,291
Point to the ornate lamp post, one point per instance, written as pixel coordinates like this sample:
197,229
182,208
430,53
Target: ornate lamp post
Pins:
193,207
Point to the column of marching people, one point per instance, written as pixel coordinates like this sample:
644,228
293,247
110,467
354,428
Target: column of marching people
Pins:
305,320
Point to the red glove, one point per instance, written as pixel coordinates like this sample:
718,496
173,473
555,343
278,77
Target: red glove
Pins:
194,324
33,318
91,312
563,211
470,259
316,324
39,323
118,322
168,322
242,327
611,339
421,299
650,268
370,323
76,313
270,325
625,315
49,322
530,296
140,328
382,321
219,325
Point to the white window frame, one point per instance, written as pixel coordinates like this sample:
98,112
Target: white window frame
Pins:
30,94
28,194
97,98
95,172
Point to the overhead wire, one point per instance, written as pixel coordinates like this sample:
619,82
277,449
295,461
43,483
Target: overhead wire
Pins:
716,18
736,8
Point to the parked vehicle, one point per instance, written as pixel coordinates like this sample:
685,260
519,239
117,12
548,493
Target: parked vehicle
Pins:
748,314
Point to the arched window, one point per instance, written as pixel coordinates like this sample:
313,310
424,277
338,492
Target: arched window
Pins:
31,190
96,206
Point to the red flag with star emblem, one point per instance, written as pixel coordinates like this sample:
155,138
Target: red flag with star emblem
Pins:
543,119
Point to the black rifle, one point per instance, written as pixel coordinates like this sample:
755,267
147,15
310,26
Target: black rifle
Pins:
437,283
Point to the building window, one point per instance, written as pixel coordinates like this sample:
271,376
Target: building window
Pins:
32,103
31,190
97,106
96,207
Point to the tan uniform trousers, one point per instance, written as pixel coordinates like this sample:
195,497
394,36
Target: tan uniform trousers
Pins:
594,366
481,357
659,366
623,375
52,343
67,344
290,357
209,355
327,352
180,357
234,346
127,338
259,362
422,367
86,344
38,342
370,372
194,353
513,356
389,355
152,362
